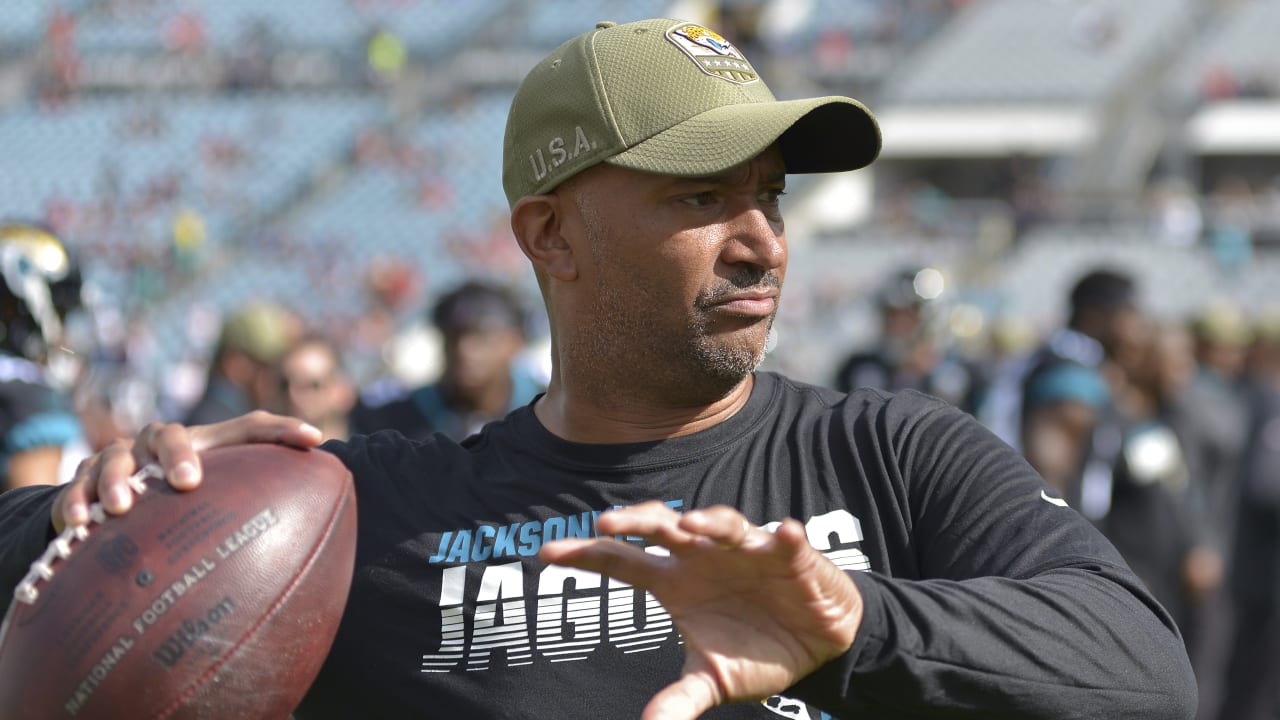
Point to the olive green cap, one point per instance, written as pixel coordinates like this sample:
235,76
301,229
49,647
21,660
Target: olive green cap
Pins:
262,330
667,97
1223,323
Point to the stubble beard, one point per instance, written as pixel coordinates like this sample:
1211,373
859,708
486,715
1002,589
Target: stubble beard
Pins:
685,366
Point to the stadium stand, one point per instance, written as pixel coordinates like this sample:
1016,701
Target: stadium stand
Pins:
135,121
1237,57
1079,53
334,24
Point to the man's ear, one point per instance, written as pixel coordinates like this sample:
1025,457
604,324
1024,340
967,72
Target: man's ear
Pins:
537,222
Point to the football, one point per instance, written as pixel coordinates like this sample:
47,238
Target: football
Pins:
221,602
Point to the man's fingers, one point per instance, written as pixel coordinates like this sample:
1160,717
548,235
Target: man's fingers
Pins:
792,537
656,523
177,448
71,507
684,699
170,445
722,525
103,478
607,557
256,427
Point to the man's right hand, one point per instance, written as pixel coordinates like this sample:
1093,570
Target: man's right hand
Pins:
104,477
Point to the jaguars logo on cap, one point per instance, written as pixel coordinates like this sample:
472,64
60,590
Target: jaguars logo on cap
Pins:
712,53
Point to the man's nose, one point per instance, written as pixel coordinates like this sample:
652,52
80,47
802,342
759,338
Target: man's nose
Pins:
756,238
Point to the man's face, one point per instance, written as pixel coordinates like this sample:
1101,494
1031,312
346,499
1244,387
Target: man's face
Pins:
1129,340
683,274
1174,359
478,358
308,376
1122,326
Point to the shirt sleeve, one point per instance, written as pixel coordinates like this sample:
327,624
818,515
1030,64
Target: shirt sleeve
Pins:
1018,607
25,532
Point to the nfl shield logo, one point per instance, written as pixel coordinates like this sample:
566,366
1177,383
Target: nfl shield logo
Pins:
712,53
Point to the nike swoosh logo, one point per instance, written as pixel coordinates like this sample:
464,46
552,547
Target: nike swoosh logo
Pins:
1052,500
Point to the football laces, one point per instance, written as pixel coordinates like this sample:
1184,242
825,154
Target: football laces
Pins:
27,591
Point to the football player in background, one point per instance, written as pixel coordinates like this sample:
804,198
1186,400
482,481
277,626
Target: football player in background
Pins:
41,438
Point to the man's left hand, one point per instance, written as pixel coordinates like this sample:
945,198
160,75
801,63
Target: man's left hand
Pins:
758,610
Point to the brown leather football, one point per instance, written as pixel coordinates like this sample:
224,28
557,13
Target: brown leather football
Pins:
221,602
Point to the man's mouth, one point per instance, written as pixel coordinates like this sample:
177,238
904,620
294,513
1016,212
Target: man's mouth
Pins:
761,303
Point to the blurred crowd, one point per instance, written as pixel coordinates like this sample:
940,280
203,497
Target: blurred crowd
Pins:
1165,433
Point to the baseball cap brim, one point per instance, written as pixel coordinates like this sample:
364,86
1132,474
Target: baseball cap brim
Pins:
824,134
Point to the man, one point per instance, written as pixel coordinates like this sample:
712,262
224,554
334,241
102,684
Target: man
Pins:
1151,519
1251,692
1057,406
41,436
316,387
644,164
908,355
483,327
244,373
1211,416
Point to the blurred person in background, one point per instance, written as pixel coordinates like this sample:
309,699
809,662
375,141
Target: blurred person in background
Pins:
316,385
1251,689
41,437
1151,515
483,328
1211,416
244,372
1068,427
909,354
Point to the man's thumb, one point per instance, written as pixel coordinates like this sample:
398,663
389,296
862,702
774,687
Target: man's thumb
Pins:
684,699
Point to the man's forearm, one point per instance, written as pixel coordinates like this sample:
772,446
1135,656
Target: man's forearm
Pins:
1070,643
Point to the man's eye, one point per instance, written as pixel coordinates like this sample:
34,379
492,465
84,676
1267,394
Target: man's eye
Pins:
701,199
772,195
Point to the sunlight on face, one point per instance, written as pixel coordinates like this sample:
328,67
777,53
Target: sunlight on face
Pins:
685,274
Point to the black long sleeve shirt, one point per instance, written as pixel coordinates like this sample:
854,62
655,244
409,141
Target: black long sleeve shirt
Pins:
984,596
